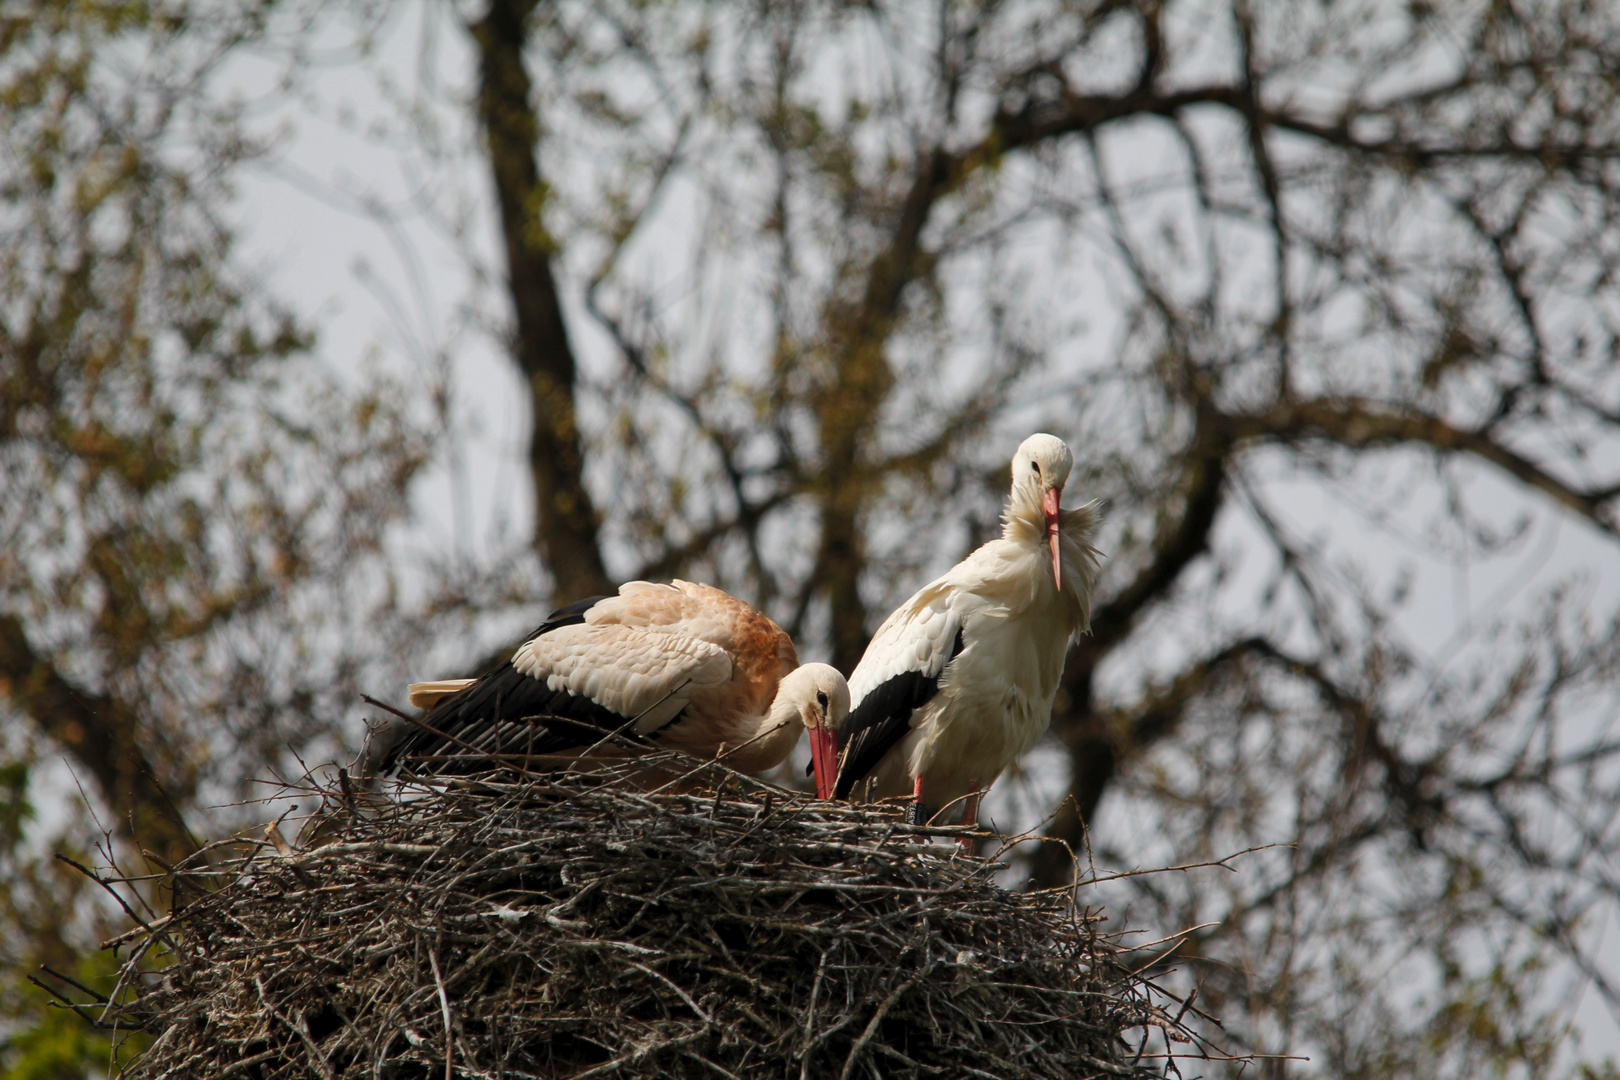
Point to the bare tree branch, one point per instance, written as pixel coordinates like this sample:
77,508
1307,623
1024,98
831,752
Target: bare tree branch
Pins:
1363,424
104,735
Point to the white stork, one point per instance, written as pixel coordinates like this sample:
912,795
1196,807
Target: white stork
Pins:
958,682
681,666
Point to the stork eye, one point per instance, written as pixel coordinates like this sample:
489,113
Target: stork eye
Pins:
1036,466
821,698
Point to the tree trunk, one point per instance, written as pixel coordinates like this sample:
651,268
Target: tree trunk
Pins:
566,522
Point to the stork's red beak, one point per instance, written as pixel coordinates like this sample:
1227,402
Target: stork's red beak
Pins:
1049,503
824,760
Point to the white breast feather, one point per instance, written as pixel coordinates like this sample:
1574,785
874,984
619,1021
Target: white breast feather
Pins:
627,670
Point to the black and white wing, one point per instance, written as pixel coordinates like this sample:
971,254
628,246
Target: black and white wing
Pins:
898,674
582,675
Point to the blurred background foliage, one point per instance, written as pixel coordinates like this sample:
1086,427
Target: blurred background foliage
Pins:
1322,295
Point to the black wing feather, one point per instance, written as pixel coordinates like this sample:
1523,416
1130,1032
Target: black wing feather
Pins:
506,712
882,719
567,615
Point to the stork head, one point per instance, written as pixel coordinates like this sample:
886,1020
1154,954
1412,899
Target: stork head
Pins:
820,696
1039,471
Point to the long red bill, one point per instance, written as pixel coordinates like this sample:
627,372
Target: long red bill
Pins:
824,761
1049,503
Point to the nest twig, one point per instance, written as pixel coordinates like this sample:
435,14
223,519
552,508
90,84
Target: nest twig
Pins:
577,926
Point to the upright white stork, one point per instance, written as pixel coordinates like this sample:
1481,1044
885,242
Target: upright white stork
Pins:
682,666
958,683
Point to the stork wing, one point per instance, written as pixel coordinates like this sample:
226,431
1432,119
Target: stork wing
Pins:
640,677
574,681
897,675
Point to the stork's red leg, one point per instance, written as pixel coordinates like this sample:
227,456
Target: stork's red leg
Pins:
970,814
915,814
970,808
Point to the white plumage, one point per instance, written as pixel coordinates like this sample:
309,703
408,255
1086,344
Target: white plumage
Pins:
958,682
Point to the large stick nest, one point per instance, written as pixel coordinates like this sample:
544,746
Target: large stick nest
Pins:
578,926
